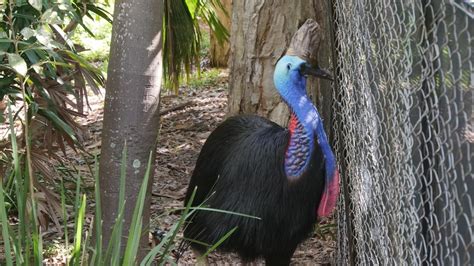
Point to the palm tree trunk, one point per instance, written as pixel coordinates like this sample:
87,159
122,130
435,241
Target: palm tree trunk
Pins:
131,112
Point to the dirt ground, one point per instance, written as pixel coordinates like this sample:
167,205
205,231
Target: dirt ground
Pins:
186,122
183,132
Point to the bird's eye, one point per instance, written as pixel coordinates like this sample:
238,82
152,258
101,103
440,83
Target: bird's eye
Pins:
288,66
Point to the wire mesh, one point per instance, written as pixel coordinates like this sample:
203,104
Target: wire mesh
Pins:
404,124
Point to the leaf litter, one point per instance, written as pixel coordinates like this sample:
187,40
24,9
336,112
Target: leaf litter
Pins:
187,120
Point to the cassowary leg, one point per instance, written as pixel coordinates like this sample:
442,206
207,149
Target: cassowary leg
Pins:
200,261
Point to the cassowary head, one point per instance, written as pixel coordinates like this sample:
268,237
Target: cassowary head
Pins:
290,80
291,71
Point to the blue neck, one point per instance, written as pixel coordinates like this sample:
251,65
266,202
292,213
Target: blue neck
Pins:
308,118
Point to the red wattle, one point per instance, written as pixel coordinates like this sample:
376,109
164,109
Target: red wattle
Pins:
329,198
293,124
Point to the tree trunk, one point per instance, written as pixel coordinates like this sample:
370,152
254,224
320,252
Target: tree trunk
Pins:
220,52
131,111
261,32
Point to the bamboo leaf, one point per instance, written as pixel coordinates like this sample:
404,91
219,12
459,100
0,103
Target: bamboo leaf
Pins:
5,83
27,33
51,16
45,38
18,64
37,4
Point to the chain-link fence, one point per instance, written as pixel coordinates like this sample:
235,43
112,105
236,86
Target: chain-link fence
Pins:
404,131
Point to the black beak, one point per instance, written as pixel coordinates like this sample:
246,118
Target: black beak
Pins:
307,69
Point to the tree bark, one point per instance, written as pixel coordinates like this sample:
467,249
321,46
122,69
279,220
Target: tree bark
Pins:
220,53
131,111
261,32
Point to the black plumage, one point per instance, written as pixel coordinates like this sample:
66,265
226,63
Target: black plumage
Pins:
241,169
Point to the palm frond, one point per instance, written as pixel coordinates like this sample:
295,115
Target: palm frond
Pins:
182,35
207,10
181,41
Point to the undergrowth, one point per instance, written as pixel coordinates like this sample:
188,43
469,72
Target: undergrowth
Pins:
23,242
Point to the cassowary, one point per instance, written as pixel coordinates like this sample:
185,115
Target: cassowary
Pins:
285,176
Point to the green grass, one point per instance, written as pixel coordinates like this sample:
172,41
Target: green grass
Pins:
205,43
207,78
203,80
23,243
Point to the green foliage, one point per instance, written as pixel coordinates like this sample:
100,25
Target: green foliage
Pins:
205,46
5,228
45,79
206,9
76,251
327,230
182,36
25,241
21,249
204,79
29,249
97,46
135,231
